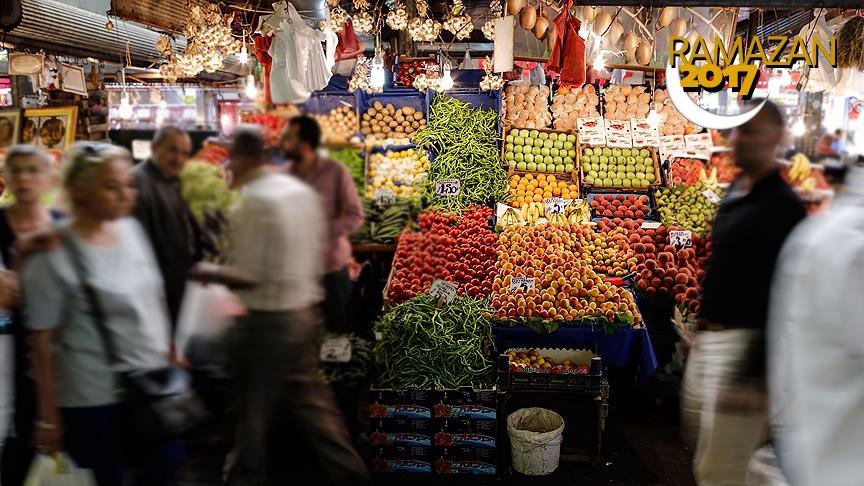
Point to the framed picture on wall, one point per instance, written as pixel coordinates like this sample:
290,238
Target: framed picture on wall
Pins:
10,128
50,128
72,79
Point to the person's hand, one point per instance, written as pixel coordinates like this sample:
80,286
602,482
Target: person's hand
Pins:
202,273
49,436
9,290
37,242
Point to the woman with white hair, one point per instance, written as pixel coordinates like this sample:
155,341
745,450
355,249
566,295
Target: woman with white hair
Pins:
104,274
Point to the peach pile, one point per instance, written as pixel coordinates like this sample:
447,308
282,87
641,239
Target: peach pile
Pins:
622,206
532,359
686,171
725,166
566,288
606,252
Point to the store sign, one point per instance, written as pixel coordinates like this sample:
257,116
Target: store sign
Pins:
447,187
522,283
384,196
681,238
740,73
443,290
336,350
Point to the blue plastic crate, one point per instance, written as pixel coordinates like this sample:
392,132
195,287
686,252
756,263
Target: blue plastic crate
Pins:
398,97
323,102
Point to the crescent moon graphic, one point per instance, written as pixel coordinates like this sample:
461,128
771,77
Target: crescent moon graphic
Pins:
695,113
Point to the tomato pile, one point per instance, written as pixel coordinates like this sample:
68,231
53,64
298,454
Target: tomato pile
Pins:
458,248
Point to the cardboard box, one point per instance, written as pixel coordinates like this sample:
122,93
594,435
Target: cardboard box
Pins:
401,425
481,441
447,466
466,425
403,466
410,439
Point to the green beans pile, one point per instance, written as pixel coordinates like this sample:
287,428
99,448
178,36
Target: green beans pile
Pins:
464,140
425,346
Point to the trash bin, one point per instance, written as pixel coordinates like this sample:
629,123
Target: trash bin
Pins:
535,440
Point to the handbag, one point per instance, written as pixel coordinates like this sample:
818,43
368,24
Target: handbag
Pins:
161,401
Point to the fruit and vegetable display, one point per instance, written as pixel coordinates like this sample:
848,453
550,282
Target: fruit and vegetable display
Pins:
624,102
619,167
351,159
688,207
531,359
464,141
273,123
541,151
527,106
382,123
458,248
408,70
566,289
535,188
672,122
424,345
205,191
724,163
575,213
383,223
339,125
630,206
400,171
686,171
802,175
212,153
572,103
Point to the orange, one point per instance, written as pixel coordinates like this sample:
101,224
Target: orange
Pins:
550,178
562,184
565,195
529,176
514,183
556,191
538,198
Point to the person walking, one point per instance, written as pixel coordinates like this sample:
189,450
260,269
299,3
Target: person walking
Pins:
276,259
29,176
816,365
164,215
724,409
79,394
342,209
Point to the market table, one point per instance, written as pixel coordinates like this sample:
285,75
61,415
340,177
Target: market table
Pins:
624,348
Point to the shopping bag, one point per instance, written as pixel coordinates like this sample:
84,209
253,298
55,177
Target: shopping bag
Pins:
57,470
207,311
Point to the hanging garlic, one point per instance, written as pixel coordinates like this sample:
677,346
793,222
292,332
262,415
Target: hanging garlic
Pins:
424,30
460,26
489,29
363,23
397,19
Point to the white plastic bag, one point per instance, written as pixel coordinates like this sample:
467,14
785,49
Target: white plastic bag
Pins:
57,470
207,311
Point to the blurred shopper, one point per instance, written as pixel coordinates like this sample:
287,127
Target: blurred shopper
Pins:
817,358
342,209
724,400
277,254
164,215
79,409
29,176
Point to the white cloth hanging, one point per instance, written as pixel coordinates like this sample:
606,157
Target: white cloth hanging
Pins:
286,79
330,44
315,74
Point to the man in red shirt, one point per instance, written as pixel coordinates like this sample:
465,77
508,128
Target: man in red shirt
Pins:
342,208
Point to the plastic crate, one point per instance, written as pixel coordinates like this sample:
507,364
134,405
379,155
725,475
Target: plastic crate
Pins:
323,102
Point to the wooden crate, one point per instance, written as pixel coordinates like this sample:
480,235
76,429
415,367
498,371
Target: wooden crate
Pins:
593,188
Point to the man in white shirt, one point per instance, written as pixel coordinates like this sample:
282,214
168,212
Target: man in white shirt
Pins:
816,364
277,257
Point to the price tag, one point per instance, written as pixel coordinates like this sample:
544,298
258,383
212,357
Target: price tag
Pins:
384,196
336,350
618,134
650,224
681,238
378,336
670,145
522,283
443,290
711,196
556,205
644,134
592,131
447,187
699,143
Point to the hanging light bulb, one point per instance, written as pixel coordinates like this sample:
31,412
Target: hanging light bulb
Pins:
798,128
599,63
161,113
125,110
376,74
446,78
251,89
243,56
653,118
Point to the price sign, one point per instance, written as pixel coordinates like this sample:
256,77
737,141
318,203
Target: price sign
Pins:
671,145
645,134
443,290
681,238
699,143
711,196
592,130
555,205
650,224
618,134
522,283
384,196
336,350
447,187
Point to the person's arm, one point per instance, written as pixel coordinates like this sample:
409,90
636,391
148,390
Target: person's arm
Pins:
351,208
49,430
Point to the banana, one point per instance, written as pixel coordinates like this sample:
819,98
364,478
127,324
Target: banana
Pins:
809,184
524,212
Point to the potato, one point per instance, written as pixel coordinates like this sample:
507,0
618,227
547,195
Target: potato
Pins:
418,116
378,106
392,124
415,124
408,110
400,129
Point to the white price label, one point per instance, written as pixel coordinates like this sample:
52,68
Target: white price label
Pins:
555,205
650,224
384,196
443,290
522,283
336,350
447,187
681,238
711,196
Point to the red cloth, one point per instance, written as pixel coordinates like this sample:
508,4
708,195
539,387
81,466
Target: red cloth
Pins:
568,54
262,52
349,46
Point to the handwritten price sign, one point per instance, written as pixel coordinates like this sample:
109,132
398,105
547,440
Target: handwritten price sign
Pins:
443,290
522,283
447,187
384,196
336,350
711,196
681,238
555,205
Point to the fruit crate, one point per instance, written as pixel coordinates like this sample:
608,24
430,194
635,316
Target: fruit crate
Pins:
646,216
399,98
667,169
572,135
512,377
377,149
641,189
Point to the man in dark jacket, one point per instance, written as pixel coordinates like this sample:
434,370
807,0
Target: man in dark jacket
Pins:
164,214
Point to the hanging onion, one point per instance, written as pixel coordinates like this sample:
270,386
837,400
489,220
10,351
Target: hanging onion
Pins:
629,43
588,13
643,53
527,17
667,15
515,6
541,26
677,28
614,33
601,22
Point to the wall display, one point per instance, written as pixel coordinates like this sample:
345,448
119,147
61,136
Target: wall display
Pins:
50,128
72,79
25,64
10,128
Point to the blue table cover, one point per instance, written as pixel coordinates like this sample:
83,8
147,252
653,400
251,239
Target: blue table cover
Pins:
626,348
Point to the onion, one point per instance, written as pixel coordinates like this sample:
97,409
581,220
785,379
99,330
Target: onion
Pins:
643,53
615,31
628,44
515,6
667,15
527,17
601,22
541,26
677,28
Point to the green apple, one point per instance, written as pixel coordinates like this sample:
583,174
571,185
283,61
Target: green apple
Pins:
543,135
604,166
532,166
568,167
595,159
521,166
587,152
645,153
568,159
541,167
533,133
508,147
519,157
571,138
544,151
548,143
529,142
604,159
535,151
607,151
626,183
553,152
639,167
559,144
547,160
509,156
640,177
651,177
594,173
519,141
589,180
616,182
568,145
558,160
602,174
559,168
572,153
529,158
553,136
607,182
524,133
509,138
630,175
